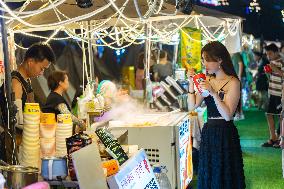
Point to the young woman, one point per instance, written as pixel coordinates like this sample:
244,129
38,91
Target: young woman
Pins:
58,84
220,161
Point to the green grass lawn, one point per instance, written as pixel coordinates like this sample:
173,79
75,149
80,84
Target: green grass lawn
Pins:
263,168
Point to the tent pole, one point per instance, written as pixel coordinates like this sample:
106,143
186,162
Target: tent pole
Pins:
147,56
12,109
175,55
91,54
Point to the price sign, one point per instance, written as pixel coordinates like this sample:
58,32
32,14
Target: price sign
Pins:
112,144
136,173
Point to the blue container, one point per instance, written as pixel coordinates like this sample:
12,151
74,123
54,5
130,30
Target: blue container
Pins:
54,168
184,84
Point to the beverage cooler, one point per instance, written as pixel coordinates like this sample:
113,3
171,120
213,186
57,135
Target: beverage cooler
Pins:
168,143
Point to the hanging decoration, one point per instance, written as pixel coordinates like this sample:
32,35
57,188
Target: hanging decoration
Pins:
223,2
121,29
254,6
190,50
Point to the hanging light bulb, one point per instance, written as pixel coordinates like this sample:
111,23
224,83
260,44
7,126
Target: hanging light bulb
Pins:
282,12
254,6
84,3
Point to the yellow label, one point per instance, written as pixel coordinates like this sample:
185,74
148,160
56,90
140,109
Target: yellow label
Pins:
47,118
31,108
91,106
64,118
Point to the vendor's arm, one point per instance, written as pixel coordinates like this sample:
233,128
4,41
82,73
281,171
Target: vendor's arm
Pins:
227,107
156,76
18,91
64,110
156,73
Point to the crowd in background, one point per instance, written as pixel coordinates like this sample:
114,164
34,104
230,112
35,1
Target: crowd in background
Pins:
261,76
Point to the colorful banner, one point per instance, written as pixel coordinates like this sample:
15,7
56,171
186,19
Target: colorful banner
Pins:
190,49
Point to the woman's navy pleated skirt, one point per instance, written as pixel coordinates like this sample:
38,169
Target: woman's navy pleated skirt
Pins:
220,157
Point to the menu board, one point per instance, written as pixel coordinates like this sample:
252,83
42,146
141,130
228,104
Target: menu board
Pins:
112,144
136,173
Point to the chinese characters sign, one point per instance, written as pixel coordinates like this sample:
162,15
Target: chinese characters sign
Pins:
136,173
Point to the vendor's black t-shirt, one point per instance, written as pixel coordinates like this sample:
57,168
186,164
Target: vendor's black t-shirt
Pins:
53,100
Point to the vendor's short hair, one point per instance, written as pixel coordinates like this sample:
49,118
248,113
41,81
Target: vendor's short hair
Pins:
39,52
163,54
272,47
54,79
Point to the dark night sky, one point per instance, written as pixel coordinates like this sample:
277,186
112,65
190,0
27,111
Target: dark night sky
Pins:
267,23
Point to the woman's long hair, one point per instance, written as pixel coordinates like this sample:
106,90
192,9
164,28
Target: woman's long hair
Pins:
216,51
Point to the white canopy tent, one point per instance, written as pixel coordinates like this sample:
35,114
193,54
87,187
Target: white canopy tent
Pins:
126,18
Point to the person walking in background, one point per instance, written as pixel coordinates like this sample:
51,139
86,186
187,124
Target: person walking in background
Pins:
275,92
282,51
140,73
238,65
220,156
261,80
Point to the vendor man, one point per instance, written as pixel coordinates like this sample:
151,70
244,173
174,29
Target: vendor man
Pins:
37,58
163,69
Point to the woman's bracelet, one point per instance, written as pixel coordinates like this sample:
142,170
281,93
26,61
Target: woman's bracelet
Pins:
191,92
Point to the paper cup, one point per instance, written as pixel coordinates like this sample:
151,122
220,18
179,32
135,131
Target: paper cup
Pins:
32,108
64,118
47,118
47,130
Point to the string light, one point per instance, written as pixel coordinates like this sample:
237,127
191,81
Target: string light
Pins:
131,31
282,12
254,6
58,24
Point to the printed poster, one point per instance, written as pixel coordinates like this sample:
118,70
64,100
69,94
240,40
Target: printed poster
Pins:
190,49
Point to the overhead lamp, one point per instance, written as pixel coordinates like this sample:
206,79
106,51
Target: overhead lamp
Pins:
84,3
223,2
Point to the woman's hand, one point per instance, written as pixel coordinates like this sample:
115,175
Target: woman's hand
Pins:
205,85
190,73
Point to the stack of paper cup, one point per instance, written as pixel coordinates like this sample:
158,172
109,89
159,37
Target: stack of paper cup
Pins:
30,149
63,130
47,134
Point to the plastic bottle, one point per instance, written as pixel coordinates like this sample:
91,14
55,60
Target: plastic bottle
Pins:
161,176
2,181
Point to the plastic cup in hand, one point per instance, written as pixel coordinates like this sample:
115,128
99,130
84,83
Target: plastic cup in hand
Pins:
197,79
267,69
